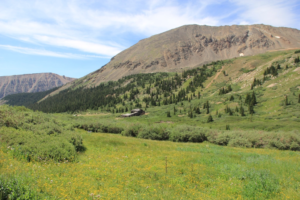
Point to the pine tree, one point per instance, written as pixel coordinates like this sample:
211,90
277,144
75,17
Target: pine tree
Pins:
168,114
207,107
286,102
236,109
250,108
209,119
299,99
231,98
227,127
247,99
253,98
242,111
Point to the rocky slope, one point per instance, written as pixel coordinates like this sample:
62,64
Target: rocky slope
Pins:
190,46
30,83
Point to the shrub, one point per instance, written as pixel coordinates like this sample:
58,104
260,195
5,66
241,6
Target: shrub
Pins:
14,188
132,130
157,132
25,144
188,134
239,142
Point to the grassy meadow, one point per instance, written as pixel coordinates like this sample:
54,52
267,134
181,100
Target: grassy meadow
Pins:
116,167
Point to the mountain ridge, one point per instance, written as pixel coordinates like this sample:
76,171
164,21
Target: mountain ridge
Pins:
37,82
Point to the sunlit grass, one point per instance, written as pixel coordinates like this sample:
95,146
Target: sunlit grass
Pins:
116,167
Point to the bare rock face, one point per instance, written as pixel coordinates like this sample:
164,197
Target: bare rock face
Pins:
190,46
30,83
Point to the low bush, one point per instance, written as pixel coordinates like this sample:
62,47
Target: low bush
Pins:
14,188
25,144
188,134
156,132
132,130
100,128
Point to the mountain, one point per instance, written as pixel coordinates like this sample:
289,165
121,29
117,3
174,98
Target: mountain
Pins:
190,46
273,77
31,83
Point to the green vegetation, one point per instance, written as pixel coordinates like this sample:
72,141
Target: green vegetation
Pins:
26,99
67,150
114,167
37,136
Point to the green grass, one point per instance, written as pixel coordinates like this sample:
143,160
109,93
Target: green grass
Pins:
116,167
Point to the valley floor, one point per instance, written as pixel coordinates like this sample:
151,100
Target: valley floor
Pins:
117,167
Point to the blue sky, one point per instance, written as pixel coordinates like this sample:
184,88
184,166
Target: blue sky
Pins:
76,37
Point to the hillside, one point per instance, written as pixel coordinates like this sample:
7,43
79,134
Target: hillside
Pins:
25,99
29,83
228,86
190,46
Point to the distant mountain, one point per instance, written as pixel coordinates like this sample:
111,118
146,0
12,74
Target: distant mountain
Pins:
191,46
29,83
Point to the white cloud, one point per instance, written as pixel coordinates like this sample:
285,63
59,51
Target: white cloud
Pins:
271,12
79,45
43,52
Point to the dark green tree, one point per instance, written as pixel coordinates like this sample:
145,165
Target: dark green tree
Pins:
209,119
251,108
168,114
242,111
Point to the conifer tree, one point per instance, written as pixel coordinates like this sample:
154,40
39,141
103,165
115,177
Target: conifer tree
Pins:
247,99
168,114
242,111
236,109
299,98
207,107
253,98
250,108
209,119
227,127
231,98
286,102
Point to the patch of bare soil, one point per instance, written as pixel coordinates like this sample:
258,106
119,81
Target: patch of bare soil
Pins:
272,85
96,114
218,102
181,115
118,118
146,114
297,69
215,78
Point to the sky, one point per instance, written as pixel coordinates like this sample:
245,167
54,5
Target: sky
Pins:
76,37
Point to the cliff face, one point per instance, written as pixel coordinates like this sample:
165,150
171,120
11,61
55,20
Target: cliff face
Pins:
190,46
30,83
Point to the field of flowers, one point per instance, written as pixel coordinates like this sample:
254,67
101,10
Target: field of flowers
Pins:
116,167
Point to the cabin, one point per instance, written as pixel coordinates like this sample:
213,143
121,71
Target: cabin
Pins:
134,112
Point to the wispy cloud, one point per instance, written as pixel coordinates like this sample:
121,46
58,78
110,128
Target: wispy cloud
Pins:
43,52
272,12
